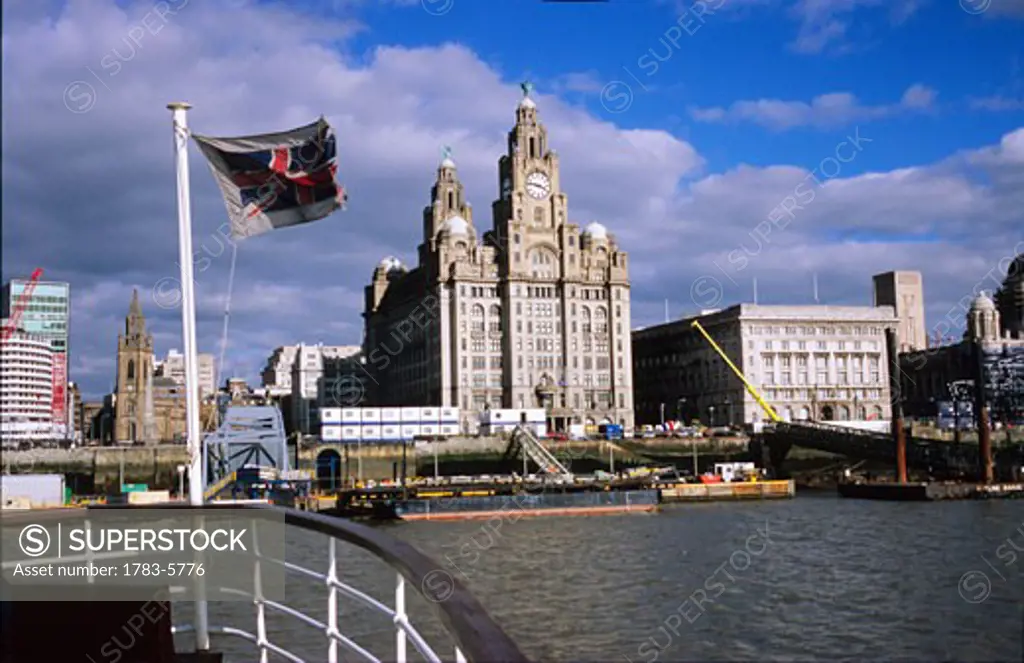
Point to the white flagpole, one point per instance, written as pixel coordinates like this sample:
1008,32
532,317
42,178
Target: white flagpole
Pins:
188,306
196,480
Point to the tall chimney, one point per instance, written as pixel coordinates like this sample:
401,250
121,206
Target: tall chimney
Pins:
896,396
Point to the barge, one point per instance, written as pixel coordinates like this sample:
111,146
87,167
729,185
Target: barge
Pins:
740,490
483,507
929,491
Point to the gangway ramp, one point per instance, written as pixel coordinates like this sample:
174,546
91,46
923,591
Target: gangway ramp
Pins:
250,436
524,440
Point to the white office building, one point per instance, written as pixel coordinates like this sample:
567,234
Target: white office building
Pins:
26,390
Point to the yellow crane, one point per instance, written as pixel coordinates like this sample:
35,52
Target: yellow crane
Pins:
772,414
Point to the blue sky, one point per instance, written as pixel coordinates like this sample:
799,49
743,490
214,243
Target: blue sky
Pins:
740,53
741,110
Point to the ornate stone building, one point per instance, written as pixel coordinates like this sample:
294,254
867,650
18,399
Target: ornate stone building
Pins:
926,375
1010,299
820,363
531,313
147,409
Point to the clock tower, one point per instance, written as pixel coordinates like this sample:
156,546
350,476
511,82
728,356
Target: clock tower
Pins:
531,200
536,318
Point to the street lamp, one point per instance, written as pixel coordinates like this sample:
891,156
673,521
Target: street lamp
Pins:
856,406
728,404
680,411
711,415
662,409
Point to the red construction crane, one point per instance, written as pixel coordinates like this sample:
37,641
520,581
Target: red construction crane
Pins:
19,306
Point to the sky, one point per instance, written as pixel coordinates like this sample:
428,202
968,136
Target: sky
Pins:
722,142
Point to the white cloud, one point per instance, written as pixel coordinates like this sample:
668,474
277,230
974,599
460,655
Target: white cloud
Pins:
825,25
90,196
823,111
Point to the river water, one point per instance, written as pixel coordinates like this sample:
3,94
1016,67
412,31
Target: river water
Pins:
813,578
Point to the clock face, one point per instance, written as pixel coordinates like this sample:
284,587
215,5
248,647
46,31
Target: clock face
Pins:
538,186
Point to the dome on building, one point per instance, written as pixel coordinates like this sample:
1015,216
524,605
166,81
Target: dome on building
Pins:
526,102
391,263
456,226
983,303
596,231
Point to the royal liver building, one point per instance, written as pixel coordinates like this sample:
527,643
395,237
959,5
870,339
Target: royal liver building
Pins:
531,313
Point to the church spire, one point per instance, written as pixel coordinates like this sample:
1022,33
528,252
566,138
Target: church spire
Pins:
135,323
135,309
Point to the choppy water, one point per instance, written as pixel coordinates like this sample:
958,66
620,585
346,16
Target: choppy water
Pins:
814,578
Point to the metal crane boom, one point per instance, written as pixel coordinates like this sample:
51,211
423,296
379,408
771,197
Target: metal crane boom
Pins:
750,388
19,306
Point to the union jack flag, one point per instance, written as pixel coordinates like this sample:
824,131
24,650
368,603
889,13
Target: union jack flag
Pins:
276,180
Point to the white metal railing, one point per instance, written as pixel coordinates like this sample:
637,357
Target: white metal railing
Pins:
476,637
494,646
404,630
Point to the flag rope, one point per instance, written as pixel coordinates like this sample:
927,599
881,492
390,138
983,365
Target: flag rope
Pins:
218,375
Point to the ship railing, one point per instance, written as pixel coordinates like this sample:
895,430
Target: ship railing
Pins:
475,637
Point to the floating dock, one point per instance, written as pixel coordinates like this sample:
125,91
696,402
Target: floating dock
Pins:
930,491
748,490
